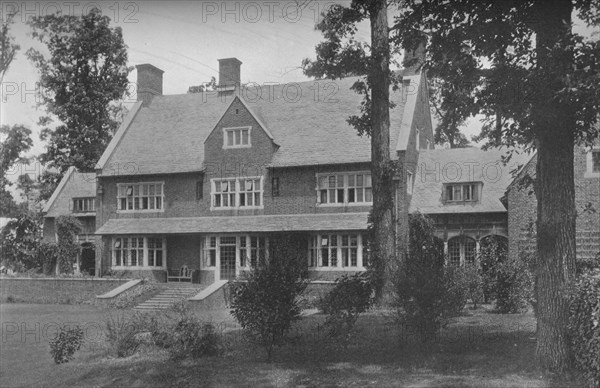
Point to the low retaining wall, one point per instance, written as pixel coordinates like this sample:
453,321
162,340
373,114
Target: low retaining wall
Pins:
55,290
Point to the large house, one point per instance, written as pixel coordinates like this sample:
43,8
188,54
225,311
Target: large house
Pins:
211,180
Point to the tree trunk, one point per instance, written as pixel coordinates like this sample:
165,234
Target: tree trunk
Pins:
554,126
381,169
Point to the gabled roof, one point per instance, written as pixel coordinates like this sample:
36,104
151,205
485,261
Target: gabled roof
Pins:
308,120
437,167
74,184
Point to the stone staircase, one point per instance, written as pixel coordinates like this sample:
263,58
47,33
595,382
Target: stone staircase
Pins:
171,293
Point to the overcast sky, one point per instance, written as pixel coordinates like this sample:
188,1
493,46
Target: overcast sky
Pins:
184,39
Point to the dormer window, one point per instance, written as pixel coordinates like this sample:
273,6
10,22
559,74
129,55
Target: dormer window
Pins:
462,192
238,137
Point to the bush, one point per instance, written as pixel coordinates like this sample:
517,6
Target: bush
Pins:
455,291
121,335
66,343
19,241
190,338
420,286
351,296
267,304
514,286
493,251
584,327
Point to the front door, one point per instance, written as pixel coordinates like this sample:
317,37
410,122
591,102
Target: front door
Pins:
227,258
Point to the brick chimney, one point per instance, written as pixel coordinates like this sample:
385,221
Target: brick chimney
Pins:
149,82
229,75
414,59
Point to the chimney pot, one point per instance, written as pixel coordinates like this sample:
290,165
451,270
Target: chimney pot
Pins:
149,82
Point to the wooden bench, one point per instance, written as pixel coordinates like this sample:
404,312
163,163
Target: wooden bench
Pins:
183,274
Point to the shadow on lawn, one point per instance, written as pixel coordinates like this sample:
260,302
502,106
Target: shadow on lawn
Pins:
480,349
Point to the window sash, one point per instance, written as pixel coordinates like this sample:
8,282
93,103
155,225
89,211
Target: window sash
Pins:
244,192
345,188
137,197
236,137
144,252
336,251
84,205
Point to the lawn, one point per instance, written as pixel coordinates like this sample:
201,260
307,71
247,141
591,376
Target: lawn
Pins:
481,349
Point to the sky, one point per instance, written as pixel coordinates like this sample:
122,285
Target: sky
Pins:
183,38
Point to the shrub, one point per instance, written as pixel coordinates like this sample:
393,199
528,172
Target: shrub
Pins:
66,343
67,229
514,286
121,335
493,251
267,304
584,327
455,291
190,338
351,296
47,256
420,286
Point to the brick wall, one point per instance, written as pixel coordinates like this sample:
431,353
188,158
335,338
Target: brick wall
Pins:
52,290
522,206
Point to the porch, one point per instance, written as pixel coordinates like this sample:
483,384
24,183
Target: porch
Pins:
223,248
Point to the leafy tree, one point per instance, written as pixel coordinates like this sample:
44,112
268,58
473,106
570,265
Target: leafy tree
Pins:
84,77
341,55
16,141
536,82
19,241
8,47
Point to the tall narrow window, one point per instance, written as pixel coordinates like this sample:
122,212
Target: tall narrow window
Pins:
155,252
409,182
199,190
210,252
418,139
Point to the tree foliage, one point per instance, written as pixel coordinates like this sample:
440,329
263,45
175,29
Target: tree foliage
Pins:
19,241
8,47
536,82
82,80
16,141
342,54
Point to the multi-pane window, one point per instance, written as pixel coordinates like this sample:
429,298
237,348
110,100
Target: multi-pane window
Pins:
336,251
250,192
461,251
84,205
155,252
462,192
454,252
349,248
344,188
129,251
237,193
252,250
140,196
224,193
236,137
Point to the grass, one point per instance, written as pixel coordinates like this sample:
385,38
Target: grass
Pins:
482,349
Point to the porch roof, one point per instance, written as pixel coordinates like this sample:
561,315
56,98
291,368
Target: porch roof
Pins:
236,224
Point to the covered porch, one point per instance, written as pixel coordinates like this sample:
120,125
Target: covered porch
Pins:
222,248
